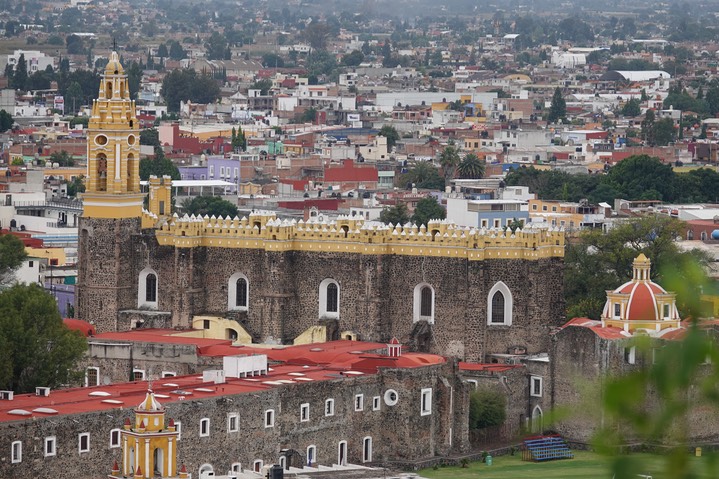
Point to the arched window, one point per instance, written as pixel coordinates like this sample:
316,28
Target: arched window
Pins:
147,289
332,298
238,293
151,288
423,303
499,305
329,299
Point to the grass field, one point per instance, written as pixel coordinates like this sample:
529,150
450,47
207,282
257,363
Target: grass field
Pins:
585,465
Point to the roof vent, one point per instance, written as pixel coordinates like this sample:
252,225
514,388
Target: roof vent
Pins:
6,395
42,392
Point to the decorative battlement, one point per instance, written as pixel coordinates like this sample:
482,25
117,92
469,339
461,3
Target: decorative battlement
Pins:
263,230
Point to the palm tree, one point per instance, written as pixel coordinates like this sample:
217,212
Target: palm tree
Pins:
471,167
449,160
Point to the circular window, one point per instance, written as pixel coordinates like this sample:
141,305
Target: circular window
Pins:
101,140
391,397
131,140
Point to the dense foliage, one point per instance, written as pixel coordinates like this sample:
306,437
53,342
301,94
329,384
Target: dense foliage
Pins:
36,348
638,177
209,206
487,408
602,261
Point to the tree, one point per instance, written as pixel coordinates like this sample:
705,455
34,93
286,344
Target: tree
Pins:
150,137
75,45
558,107
162,51
210,206
216,47
186,84
176,51
272,60
648,127
389,132
600,261
74,96
12,254
398,214
664,132
263,85
158,166
487,408
62,158
471,167
353,59
6,121
642,177
20,76
428,209
632,108
75,186
36,348
449,161
134,77
423,175
239,142
316,34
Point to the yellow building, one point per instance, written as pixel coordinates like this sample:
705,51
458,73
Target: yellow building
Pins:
556,213
113,150
149,447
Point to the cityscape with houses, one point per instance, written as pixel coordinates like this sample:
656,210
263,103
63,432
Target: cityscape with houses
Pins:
262,239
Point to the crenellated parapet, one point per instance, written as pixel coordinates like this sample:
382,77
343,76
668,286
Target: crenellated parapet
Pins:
263,230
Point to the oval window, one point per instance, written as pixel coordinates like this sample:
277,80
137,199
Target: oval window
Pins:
391,397
131,140
101,140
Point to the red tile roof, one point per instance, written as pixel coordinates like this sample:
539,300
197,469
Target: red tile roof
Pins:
596,328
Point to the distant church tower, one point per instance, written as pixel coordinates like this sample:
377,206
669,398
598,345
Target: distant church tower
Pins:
112,204
149,448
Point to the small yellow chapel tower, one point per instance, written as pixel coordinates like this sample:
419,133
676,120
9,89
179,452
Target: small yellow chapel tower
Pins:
149,448
113,150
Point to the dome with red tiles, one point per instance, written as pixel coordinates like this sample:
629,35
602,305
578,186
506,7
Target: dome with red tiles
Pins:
641,302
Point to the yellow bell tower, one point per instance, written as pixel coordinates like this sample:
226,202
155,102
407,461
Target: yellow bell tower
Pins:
149,448
113,150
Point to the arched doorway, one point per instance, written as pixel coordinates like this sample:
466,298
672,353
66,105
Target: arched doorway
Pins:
342,453
537,420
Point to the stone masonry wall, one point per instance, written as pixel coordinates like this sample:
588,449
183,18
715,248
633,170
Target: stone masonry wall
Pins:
398,432
376,294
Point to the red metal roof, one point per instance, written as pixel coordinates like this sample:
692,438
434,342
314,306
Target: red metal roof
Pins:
84,327
349,172
488,367
596,327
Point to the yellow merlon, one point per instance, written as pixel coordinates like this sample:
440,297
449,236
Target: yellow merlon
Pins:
263,230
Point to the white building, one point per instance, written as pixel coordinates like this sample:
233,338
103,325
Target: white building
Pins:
35,60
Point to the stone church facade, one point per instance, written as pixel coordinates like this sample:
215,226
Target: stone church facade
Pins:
444,289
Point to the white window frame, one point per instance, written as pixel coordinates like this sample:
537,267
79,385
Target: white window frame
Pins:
178,429
233,417
114,443
49,440
329,407
232,292
142,301
80,437
417,305
168,374
367,452
269,418
211,173
236,467
304,412
630,357
376,403
359,402
205,427
16,452
324,314
425,402
508,304
536,380
138,370
313,456
97,375
257,465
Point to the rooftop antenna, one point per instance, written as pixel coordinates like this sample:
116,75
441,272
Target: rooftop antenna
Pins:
114,44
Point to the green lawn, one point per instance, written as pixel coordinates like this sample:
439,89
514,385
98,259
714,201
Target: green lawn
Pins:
585,465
